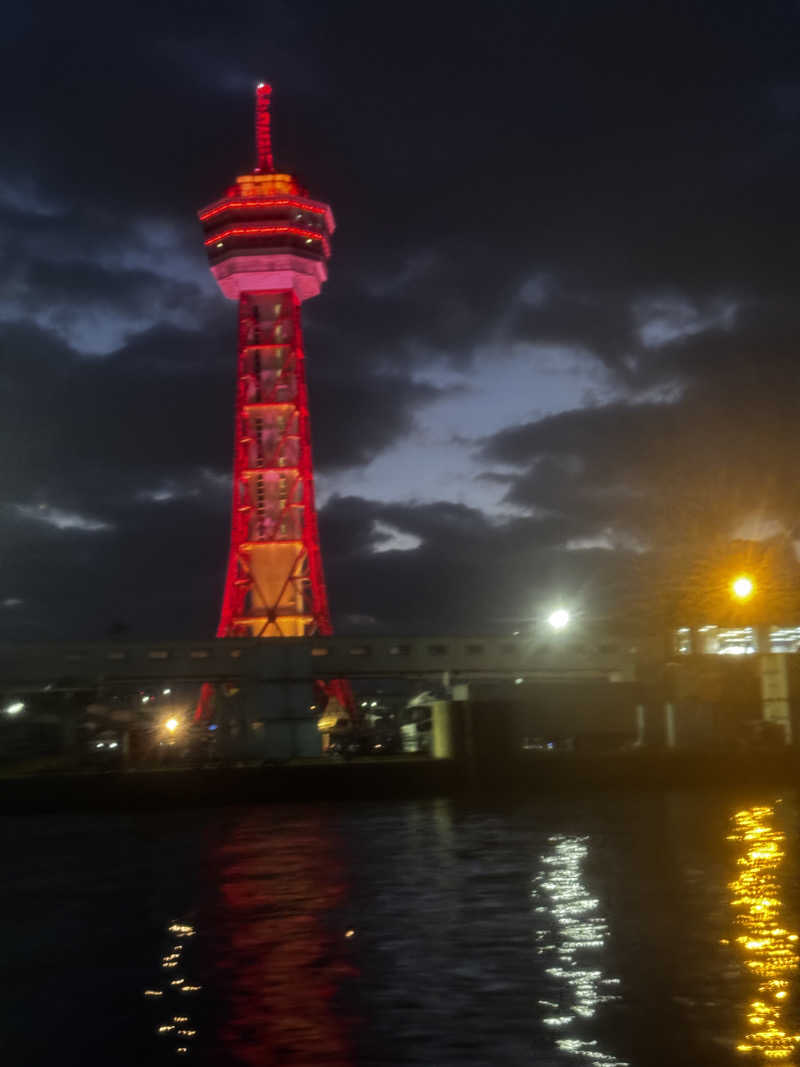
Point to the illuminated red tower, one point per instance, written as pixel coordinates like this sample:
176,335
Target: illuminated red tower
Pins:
268,245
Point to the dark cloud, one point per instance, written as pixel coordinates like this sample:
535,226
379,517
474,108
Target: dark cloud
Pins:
467,574
356,420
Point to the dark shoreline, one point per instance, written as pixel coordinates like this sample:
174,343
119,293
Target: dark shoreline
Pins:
370,780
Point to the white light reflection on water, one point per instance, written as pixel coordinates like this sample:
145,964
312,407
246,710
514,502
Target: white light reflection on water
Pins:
575,937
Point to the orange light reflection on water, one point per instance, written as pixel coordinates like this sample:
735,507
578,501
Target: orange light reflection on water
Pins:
768,949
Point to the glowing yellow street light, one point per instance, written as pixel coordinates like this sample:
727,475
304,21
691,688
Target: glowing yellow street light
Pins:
171,725
742,587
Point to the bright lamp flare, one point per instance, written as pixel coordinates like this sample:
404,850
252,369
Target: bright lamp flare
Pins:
742,587
171,725
559,619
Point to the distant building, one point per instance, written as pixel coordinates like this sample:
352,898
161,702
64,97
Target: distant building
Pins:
736,641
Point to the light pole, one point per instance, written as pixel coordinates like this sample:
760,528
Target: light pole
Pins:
775,688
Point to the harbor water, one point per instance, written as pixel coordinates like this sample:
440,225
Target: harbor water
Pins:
621,929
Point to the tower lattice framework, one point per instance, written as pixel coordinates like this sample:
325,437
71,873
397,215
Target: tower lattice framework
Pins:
268,244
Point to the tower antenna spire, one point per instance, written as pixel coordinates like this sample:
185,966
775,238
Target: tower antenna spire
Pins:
264,161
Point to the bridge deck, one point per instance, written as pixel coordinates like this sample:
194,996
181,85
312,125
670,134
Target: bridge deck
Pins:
70,664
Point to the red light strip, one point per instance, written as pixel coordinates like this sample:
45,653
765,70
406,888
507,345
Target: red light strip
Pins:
283,344
241,204
256,231
260,231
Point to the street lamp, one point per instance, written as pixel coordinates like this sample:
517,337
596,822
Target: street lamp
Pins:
558,619
742,587
171,725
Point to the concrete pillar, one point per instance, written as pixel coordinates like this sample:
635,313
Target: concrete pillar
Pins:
761,638
775,695
641,725
442,730
670,726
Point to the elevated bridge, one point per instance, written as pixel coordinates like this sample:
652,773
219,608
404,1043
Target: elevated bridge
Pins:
78,665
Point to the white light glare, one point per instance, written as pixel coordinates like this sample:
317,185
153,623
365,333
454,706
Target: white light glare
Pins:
559,619
15,708
166,692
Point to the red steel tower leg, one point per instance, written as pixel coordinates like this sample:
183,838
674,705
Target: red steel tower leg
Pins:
275,585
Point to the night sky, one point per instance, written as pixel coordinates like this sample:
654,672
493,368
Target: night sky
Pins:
559,337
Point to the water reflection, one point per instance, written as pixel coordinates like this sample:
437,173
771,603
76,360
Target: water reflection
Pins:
576,937
172,993
281,887
768,949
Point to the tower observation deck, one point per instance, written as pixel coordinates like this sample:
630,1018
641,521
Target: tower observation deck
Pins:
268,245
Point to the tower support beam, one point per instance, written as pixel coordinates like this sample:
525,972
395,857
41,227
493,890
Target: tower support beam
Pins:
274,581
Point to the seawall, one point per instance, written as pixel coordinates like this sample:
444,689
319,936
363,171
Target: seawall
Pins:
376,780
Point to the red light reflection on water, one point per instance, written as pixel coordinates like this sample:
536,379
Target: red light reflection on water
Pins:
287,959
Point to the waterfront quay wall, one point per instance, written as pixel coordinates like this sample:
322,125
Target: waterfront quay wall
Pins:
698,703
377,781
